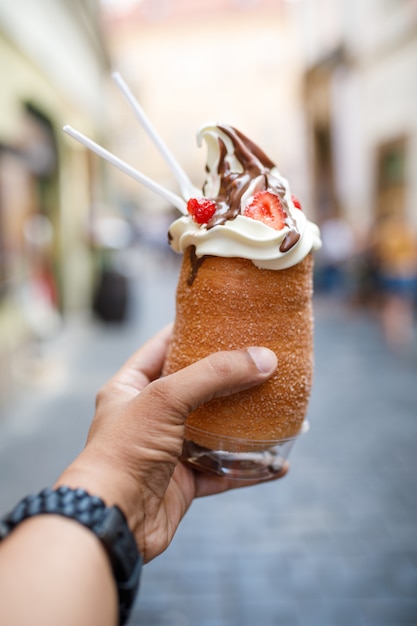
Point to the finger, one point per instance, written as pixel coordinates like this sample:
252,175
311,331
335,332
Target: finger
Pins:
220,374
145,364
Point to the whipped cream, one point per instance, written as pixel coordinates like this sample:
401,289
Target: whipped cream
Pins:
236,170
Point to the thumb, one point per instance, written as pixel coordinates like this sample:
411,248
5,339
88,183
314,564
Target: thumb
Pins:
220,374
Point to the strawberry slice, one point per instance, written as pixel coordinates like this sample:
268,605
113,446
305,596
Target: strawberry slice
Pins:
201,209
266,207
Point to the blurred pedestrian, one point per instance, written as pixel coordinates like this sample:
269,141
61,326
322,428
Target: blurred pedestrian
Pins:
394,247
338,247
75,559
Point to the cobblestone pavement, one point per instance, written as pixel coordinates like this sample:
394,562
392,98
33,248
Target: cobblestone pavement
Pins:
332,544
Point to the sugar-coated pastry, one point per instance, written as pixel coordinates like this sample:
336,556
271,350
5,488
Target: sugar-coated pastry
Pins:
246,279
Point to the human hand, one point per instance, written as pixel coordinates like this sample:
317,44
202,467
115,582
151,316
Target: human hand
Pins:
132,452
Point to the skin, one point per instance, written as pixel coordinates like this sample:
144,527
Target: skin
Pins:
131,459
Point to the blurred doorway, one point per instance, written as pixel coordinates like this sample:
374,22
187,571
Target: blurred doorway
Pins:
325,200
391,178
318,92
29,246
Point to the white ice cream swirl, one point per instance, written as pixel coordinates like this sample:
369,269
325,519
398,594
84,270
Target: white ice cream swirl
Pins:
236,170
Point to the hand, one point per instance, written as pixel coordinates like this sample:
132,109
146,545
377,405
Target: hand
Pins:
132,453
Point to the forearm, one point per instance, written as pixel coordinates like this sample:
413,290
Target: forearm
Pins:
55,571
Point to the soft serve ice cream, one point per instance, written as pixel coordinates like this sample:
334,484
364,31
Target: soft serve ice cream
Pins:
246,279
246,209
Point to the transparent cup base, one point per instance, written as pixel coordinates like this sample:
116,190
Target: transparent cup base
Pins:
265,459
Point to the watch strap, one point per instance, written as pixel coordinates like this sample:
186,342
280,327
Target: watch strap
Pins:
107,523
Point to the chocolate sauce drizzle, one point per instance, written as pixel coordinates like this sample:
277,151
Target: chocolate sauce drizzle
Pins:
255,164
195,263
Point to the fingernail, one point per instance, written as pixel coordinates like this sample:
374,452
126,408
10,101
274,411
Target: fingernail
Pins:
264,359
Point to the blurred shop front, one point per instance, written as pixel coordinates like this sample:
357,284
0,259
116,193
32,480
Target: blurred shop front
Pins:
54,69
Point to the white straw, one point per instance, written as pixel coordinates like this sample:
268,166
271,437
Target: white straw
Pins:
168,195
188,190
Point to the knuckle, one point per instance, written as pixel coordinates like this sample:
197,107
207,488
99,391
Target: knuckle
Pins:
221,366
158,390
102,395
167,397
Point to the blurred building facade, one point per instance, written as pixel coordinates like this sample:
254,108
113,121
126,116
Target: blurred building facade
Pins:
53,65
361,108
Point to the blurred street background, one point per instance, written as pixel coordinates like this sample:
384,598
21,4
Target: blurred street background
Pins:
328,89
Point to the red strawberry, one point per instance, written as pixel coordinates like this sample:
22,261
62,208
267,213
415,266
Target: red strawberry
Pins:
266,207
296,202
201,209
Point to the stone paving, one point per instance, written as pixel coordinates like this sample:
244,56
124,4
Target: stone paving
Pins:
332,544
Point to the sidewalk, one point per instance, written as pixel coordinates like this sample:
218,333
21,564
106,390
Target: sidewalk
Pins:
332,544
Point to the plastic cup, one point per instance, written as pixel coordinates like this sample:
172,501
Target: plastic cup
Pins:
239,459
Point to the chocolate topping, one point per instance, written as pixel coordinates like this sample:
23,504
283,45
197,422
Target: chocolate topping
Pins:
195,262
255,164
290,240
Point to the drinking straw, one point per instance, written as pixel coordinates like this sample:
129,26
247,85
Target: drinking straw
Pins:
188,190
166,194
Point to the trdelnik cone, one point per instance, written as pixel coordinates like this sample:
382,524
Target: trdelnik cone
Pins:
246,279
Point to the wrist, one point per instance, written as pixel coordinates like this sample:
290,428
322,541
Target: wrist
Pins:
106,481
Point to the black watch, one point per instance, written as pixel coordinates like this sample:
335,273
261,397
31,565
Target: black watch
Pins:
107,523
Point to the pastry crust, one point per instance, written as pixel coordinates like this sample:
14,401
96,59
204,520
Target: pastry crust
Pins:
230,303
